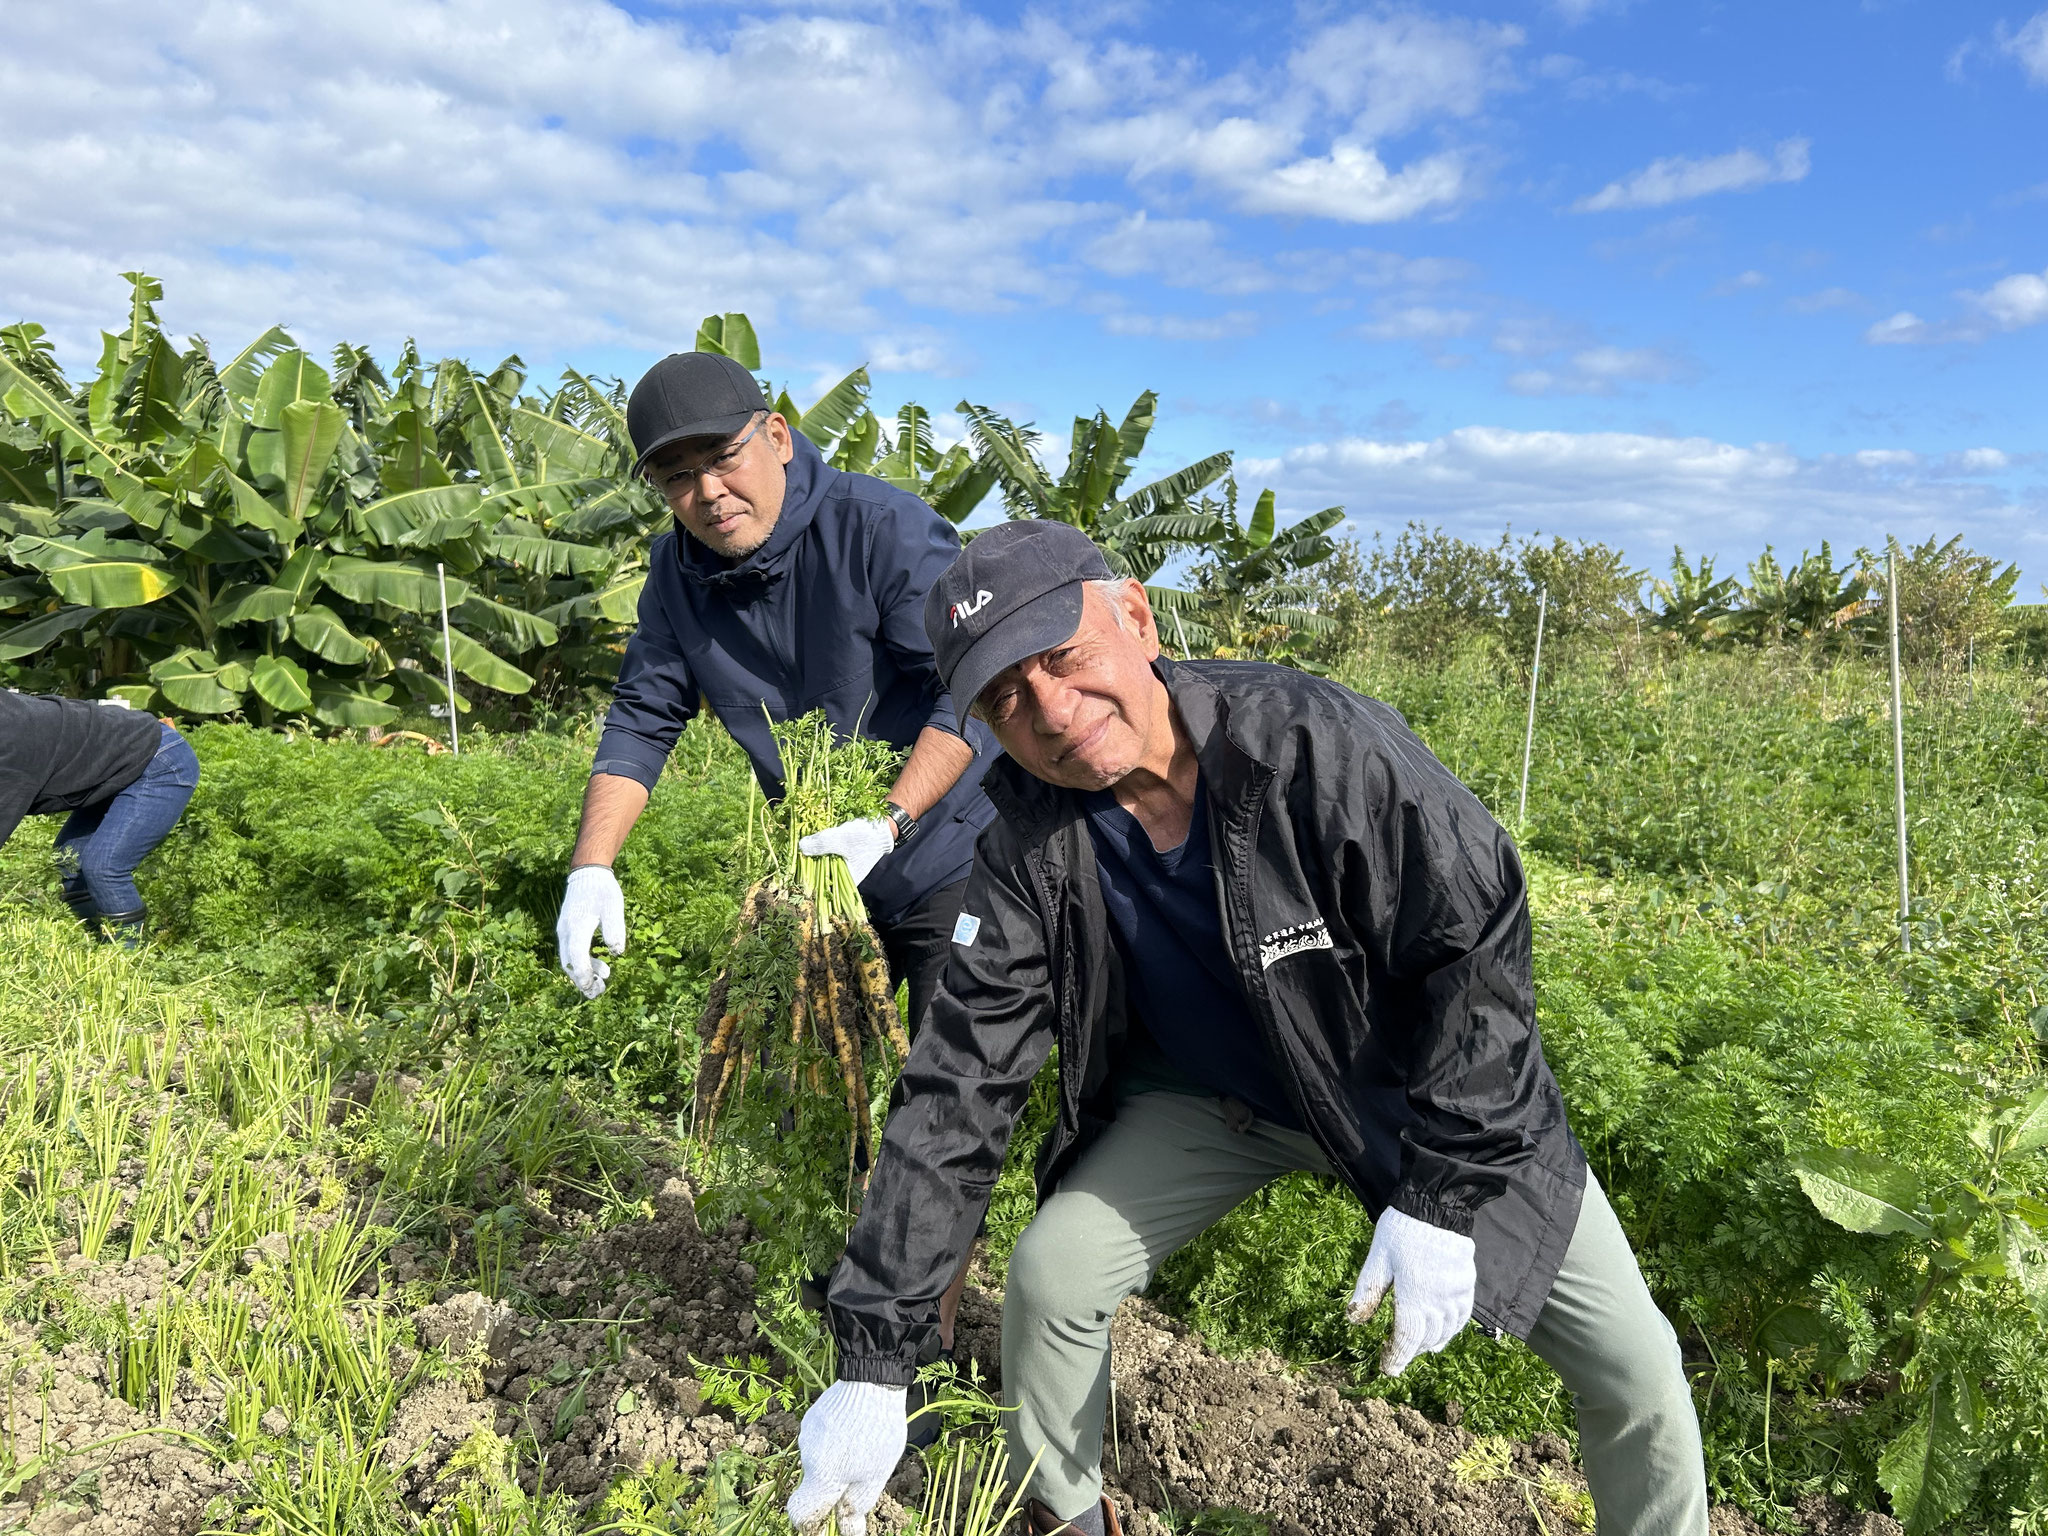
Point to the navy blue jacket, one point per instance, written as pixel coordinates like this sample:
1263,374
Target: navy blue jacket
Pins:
828,614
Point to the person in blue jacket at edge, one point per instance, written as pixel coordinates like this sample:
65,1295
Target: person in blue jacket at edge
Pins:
793,585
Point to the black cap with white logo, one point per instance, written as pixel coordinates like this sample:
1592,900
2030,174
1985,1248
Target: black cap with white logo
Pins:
690,394
1014,591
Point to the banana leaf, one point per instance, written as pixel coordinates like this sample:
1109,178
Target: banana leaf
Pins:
730,335
32,635
282,684
292,379
320,630
301,573
17,518
1170,492
97,571
827,420
548,557
558,445
522,631
312,431
25,475
201,683
244,371
251,603
390,518
352,705
399,584
482,665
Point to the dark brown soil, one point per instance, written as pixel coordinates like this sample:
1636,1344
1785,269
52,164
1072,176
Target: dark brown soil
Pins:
630,1307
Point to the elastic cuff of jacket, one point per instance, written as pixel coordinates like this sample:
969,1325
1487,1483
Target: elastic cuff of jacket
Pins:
883,1370
628,768
1452,1218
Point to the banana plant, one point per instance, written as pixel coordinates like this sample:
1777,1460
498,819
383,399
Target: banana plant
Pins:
1137,531
1811,599
952,483
1249,596
838,421
1697,606
271,538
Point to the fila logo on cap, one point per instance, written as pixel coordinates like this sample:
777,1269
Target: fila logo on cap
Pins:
967,610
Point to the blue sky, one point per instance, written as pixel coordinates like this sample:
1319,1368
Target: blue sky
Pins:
1714,274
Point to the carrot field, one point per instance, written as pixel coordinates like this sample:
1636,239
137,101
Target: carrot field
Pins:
337,1210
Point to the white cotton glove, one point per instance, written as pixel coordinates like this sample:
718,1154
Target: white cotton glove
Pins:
591,900
851,1439
863,844
1433,1277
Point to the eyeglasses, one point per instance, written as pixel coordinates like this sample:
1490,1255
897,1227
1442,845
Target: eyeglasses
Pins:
675,482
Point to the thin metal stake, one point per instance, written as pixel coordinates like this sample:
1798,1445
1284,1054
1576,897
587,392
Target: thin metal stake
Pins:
448,660
1970,671
1529,735
1898,750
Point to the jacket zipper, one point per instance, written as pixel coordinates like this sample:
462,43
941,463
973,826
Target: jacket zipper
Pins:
1070,1102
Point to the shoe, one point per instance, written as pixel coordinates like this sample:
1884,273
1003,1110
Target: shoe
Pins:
1040,1521
126,929
88,915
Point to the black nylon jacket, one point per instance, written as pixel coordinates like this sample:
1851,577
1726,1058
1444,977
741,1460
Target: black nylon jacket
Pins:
1379,920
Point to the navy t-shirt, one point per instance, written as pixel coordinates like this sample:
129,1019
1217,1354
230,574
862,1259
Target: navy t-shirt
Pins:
1182,985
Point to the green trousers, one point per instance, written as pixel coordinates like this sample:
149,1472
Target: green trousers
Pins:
1169,1168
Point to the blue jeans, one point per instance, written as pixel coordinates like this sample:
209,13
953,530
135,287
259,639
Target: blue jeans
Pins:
101,844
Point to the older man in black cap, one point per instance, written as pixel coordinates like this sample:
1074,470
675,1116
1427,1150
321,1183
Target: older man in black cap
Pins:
1269,932
788,586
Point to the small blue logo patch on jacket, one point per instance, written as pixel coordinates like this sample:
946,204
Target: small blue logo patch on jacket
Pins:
1292,941
966,928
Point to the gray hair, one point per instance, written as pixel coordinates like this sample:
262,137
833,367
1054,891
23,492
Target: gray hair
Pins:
1112,592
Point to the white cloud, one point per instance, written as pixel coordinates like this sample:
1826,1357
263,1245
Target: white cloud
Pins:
1598,371
562,175
1306,141
1978,461
1185,253
2011,304
2014,302
1420,322
1645,492
1351,183
2029,45
1239,322
1677,179
1903,328
1392,71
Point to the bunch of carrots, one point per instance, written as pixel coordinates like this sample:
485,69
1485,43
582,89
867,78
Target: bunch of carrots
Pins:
805,988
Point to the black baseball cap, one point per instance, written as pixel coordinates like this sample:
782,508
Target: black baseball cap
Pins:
1015,591
690,394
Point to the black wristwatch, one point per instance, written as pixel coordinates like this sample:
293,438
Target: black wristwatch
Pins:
904,822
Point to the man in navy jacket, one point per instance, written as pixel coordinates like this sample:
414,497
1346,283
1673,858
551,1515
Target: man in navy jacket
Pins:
790,586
